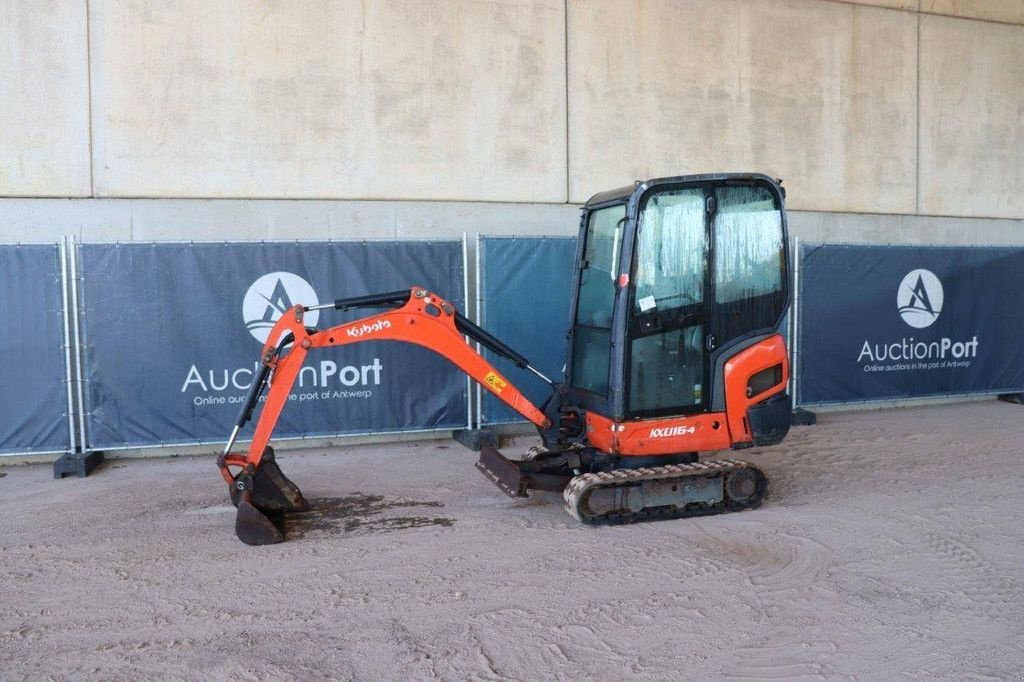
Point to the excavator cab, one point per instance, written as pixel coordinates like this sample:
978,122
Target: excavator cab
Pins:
680,290
674,276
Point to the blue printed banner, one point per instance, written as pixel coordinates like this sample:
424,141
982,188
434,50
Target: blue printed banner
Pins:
172,335
888,322
33,388
525,286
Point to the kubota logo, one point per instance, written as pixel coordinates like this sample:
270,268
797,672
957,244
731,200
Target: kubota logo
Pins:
919,298
368,328
672,431
271,296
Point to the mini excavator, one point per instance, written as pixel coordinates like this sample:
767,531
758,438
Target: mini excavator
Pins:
680,288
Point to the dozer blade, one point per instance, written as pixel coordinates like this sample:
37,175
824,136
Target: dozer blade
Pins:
501,471
262,495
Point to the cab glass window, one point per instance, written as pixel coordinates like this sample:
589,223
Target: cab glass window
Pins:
748,244
672,250
592,332
597,280
749,261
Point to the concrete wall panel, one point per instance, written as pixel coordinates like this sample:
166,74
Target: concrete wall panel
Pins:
206,219
1010,11
399,98
252,219
821,94
904,229
44,99
972,118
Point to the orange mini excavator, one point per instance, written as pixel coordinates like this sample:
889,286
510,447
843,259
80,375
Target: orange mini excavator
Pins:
681,286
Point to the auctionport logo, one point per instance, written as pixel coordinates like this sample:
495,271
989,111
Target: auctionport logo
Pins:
919,298
271,296
919,301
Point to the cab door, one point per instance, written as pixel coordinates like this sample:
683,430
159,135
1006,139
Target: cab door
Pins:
591,343
667,329
709,276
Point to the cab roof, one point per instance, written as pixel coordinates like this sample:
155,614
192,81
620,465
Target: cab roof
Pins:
641,186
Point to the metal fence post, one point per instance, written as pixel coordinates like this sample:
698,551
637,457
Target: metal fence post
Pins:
801,417
79,462
80,351
465,299
66,313
480,321
796,322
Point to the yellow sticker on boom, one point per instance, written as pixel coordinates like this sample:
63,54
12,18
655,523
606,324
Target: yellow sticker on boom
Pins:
496,383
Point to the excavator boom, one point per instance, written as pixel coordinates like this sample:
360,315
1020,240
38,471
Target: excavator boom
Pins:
418,317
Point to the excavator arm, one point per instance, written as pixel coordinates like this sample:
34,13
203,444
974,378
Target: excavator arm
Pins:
416,316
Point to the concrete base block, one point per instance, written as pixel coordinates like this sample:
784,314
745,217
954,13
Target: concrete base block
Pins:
802,417
475,438
77,464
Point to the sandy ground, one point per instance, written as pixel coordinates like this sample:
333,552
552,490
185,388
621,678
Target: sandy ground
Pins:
891,545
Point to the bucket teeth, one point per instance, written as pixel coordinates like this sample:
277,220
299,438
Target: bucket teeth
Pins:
262,496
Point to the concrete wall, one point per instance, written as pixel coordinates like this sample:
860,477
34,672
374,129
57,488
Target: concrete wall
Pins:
222,219
1009,11
904,229
219,219
44,101
821,94
891,4
392,98
891,107
972,118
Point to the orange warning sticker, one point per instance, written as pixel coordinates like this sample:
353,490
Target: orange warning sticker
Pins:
496,383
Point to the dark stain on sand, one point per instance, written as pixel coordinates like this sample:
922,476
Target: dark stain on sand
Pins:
361,514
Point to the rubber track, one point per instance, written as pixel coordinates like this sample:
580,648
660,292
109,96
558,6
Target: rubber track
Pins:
580,487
